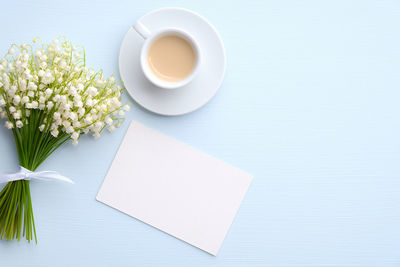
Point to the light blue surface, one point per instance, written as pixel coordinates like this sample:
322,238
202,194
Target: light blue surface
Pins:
309,105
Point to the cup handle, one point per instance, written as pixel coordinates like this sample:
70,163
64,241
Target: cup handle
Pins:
142,30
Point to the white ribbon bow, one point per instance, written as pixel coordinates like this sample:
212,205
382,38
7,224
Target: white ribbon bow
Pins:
25,174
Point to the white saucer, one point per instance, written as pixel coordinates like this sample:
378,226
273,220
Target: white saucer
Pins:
181,100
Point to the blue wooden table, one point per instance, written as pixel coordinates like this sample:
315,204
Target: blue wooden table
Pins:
309,106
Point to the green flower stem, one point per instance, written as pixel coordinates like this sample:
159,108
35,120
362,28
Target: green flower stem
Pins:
33,147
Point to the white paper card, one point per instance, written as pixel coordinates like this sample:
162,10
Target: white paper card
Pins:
173,187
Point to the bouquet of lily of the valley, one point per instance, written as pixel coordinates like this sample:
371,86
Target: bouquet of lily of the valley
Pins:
47,97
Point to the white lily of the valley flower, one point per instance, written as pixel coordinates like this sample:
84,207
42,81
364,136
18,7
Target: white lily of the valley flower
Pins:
87,103
9,125
19,124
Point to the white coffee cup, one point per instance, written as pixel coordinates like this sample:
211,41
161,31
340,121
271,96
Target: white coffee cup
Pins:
150,37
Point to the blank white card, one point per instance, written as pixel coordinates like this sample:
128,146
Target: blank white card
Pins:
173,187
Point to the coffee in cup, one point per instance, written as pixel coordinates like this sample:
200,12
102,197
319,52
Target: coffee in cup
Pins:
169,57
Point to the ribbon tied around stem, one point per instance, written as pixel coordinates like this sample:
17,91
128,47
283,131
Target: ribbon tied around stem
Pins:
25,174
